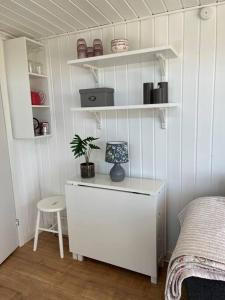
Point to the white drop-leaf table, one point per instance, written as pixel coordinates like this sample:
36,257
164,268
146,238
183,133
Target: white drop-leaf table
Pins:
117,223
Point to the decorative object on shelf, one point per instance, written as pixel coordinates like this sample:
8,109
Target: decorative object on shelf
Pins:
43,97
31,67
35,67
39,68
90,51
156,96
38,98
119,45
117,153
98,48
83,51
35,98
164,87
97,97
44,126
83,148
36,125
147,92
81,48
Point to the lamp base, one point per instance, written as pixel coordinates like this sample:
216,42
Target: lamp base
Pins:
117,173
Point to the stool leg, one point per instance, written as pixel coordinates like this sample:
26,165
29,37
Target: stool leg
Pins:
36,231
60,235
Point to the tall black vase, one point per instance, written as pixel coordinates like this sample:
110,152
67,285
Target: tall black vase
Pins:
147,92
164,88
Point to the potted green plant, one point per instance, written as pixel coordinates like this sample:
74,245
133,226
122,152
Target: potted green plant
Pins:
83,148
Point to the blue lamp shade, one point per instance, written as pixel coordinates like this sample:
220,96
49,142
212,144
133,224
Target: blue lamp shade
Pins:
116,152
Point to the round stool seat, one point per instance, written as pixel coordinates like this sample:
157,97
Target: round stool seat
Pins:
52,204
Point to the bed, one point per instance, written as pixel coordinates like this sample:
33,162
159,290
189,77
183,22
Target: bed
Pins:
199,256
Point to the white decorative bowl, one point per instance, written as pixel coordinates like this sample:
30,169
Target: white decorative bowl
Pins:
119,45
119,48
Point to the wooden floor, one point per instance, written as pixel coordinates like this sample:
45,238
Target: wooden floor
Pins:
43,275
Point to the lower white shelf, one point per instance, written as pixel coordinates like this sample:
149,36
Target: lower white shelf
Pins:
161,107
125,107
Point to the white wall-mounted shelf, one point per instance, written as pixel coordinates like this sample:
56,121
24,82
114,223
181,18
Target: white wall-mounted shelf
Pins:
125,107
41,106
162,108
129,57
36,75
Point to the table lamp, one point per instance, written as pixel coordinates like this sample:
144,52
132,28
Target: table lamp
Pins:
117,153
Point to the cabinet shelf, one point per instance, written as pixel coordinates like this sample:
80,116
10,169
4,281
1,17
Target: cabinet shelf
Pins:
162,108
36,75
40,106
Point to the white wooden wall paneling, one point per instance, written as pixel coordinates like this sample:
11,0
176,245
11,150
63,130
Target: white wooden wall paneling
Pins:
173,4
122,97
190,96
108,11
124,9
156,7
134,97
147,117
175,72
92,11
218,145
205,105
49,16
52,8
190,3
18,8
12,13
141,8
77,13
189,154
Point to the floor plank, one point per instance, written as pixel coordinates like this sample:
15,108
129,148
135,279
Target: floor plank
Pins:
42,275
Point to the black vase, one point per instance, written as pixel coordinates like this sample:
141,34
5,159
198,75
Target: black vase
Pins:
147,92
164,87
156,96
87,170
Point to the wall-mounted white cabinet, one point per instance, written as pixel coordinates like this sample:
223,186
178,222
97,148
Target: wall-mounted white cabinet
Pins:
18,53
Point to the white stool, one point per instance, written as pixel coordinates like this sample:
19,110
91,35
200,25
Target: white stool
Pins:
54,204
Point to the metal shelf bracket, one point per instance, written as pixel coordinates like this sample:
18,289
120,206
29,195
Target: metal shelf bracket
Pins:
94,71
163,118
162,64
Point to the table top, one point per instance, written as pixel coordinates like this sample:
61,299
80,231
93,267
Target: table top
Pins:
129,184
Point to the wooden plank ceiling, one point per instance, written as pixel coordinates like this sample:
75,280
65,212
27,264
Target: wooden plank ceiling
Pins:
42,18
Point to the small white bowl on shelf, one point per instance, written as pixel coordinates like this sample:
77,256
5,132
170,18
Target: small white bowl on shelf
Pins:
119,45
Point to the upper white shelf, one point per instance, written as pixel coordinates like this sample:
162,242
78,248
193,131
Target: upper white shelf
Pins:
128,57
125,107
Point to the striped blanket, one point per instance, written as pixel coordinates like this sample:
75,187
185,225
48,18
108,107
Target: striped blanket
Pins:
200,249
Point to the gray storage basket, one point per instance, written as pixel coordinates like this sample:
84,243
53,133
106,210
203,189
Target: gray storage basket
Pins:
97,97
